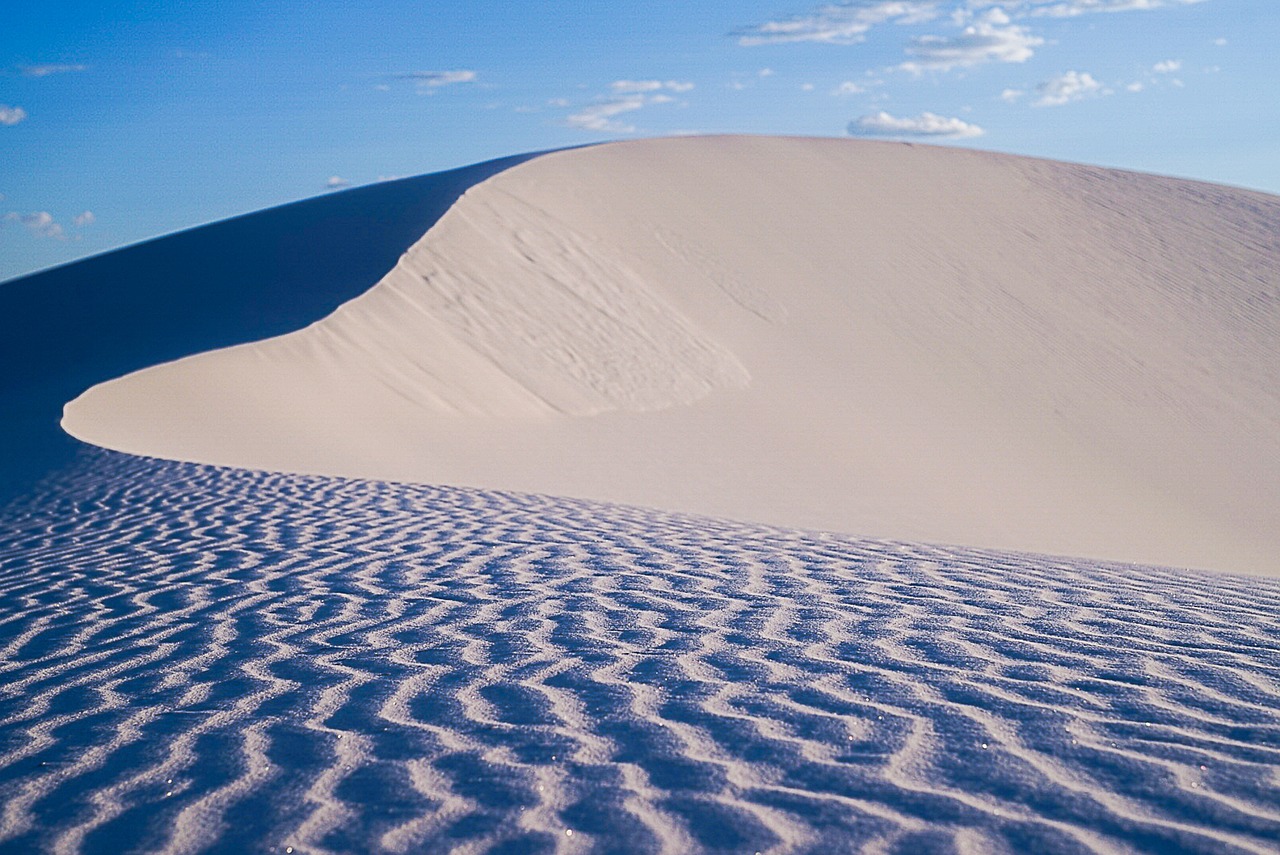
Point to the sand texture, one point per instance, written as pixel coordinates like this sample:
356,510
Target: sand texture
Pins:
641,387
902,341
195,659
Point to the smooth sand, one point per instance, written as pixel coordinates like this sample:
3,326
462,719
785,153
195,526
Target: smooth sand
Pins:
891,340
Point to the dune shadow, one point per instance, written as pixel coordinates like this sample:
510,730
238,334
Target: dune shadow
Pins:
235,281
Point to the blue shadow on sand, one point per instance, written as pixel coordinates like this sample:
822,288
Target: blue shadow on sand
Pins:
239,280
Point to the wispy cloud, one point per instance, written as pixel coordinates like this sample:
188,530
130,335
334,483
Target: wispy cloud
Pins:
844,23
991,39
627,96
436,79
40,223
1072,8
601,116
51,68
1067,87
336,182
848,22
43,224
11,115
926,124
1168,66
633,86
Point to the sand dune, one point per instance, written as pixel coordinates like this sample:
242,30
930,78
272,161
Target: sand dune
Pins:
200,659
913,342
876,338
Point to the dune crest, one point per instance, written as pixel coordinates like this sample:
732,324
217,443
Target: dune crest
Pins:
893,340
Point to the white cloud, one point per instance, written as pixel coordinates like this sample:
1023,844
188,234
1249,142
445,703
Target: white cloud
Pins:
41,223
1135,86
600,117
844,23
848,22
336,181
989,40
1011,96
1072,8
628,96
11,115
635,85
1169,66
925,125
765,72
1220,42
848,87
1067,87
436,79
51,68
623,87
85,218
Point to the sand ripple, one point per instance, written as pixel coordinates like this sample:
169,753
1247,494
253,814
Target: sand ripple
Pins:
195,659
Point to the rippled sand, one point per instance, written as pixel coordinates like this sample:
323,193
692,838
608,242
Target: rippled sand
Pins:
194,659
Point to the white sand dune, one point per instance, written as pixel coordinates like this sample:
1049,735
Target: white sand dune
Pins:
912,342
880,338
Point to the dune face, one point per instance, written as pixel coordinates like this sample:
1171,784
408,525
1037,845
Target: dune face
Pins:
235,281
893,340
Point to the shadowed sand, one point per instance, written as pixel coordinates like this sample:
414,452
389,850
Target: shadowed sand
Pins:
238,280
916,342
195,659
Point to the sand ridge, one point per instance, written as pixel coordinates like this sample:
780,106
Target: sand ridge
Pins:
203,659
907,341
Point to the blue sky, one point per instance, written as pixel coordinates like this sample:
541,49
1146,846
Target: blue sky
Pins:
124,120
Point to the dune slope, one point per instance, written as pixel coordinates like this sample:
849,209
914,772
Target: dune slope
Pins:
893,340
222,284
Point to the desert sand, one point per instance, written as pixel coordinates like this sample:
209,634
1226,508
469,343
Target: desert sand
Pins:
200,659
893,340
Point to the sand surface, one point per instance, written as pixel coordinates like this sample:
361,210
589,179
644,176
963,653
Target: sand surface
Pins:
891,340
211,660
877,338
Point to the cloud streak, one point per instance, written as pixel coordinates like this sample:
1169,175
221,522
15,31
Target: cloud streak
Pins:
436,79
51,68
844,23
634,86
1072,8
848,22
628,97
925,125
601,116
